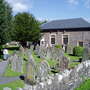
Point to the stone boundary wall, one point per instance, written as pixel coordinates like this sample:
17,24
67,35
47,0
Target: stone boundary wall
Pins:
67,80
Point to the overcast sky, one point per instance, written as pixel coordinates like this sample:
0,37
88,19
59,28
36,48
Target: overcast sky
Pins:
52,9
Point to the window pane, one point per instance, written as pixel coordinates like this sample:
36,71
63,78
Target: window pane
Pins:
81,44
65,39
52,40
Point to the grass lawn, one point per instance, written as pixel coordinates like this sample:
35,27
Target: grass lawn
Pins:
73,64
13,85
72,57
84,86
52,62
37,59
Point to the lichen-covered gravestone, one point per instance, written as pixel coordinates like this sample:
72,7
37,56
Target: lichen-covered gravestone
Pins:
6,88
86,54
69,49
30,71
64,63
17,63
43,70
37,50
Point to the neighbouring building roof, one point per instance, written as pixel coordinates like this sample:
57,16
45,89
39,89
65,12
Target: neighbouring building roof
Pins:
66,24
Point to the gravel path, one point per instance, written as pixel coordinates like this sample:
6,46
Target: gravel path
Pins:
5,80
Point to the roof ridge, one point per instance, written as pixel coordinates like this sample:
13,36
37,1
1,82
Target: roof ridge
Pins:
66,19
66,23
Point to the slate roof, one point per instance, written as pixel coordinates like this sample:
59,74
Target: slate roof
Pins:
66,24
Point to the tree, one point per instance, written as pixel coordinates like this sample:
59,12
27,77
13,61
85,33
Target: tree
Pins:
42,22
5,22
26,28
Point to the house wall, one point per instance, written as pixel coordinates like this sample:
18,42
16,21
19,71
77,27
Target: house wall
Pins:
74,37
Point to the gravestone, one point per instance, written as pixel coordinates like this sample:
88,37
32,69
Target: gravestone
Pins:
86,54
41,52
43,70
60,54
7,88
13,62
54,53
49,53
17,63
69,49
37,50
19,89
32,47
21,50
64,63
31,71
20,64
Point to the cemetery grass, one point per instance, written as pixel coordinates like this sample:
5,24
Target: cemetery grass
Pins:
73,64
72,57
84,86
13,85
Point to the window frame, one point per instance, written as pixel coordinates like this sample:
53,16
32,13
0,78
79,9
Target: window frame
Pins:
63,38
51,38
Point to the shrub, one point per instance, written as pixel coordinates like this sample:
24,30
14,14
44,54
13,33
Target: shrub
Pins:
78,51
58,46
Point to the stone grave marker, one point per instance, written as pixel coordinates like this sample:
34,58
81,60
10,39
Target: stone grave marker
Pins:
86,54
69,49
64,63
17,63
6,88
31,71
43,70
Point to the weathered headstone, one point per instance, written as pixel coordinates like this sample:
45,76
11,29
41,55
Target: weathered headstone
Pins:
37,50
20,64
86,54
64,63
17,63
43,70
69,49
19,89
32,47
31,71
22,50
6,88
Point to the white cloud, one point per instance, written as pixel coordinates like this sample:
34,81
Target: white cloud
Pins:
87,3
73,2
20,5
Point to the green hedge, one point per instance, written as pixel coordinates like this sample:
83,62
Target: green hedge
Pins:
78,51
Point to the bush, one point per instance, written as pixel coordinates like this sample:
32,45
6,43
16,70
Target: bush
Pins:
12,48
58,46
78,51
